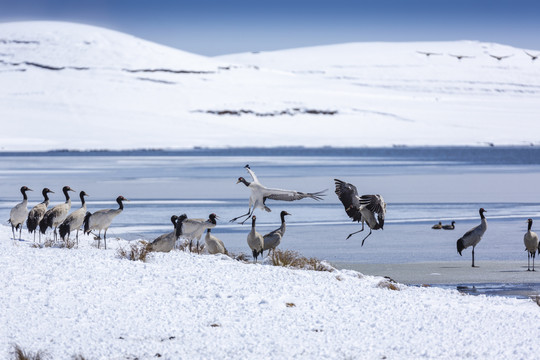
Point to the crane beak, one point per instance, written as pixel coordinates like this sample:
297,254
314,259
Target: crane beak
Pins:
238,181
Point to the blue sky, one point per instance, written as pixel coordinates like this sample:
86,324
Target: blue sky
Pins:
214,27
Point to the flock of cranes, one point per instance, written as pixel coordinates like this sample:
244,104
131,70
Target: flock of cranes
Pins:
368,210
459,56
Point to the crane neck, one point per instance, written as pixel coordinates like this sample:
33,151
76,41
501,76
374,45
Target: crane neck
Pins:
45,197
23,191
66,194
81,195
120,204
529,226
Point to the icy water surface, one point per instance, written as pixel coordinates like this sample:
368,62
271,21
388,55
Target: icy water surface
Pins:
421,186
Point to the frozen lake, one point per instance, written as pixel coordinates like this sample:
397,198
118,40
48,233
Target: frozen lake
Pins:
421,186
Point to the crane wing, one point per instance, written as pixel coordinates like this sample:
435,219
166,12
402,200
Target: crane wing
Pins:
374,203
348,195
288,195
252,174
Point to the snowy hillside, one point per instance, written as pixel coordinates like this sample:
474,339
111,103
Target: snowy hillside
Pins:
89,303
75,86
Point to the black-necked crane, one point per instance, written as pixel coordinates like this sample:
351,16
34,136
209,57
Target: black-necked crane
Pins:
74,220
369,209
192,229
428,53
260,193
449,227
56,215
166,242
459,57
437,226
19,213
36,214
214,245
531,244
473,236
273,238
533,57
255,240
499,58
102,219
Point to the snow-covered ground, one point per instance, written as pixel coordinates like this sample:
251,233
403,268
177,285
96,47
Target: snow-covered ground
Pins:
75,86
89,302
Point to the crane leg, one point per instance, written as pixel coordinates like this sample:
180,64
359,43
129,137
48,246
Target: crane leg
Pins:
20,233
528,261
250,211
356,232
366,237
473,257
105,238
13,230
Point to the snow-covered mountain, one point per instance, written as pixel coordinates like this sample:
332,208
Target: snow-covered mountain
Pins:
65,85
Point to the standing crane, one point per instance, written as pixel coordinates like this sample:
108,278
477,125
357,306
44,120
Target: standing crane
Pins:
74,220
36,214
213,244
273,239
255,240
56,215
473,236
194,228
166,242
369,209
19,213
531,244
102,219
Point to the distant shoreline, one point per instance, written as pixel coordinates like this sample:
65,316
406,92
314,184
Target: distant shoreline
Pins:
451,272
469,153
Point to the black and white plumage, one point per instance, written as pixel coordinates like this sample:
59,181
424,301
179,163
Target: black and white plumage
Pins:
473,236
260,193
369,209
36,214
193,229
530,239
273,239
533,57
166,242
74,220
56,215
102,219
255,240
449,227
214,245
19,213
499,58
437,226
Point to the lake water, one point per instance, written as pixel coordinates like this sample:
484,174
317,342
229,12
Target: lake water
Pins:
421,186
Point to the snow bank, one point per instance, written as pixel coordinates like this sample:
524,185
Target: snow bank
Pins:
83,87
89,302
